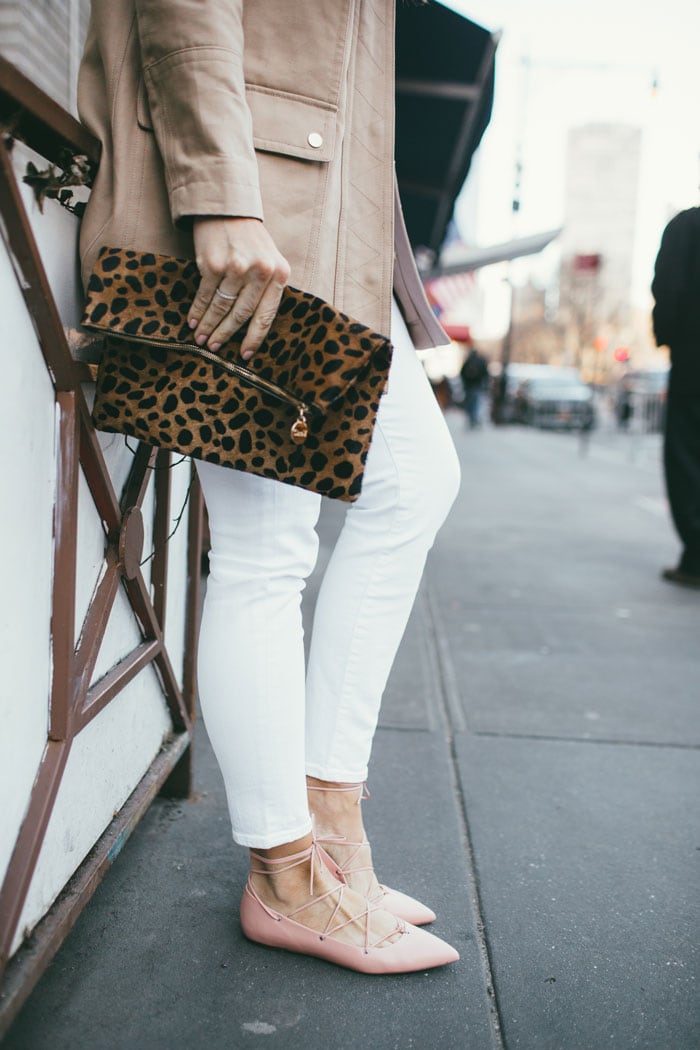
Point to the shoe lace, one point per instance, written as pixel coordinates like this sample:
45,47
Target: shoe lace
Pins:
293,860
348,866
362,797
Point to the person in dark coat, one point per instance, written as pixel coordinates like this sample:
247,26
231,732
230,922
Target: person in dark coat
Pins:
474,376
676,317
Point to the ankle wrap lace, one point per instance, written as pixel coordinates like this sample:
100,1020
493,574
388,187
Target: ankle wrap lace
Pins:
311,854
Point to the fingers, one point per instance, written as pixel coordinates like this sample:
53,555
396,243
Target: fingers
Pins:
261,320
209,308
236,257
204,298
257,304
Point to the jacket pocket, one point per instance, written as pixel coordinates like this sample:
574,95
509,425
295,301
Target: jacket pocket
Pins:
293,125
143,110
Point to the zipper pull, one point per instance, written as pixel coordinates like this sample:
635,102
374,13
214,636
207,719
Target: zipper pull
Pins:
300,428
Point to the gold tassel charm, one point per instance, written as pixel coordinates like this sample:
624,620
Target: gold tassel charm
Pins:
300,428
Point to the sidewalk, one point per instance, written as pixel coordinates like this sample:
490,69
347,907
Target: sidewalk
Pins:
535,779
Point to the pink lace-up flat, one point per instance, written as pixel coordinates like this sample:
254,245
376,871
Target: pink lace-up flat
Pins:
399,904
412,950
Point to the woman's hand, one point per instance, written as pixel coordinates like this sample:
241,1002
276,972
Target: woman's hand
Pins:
242,279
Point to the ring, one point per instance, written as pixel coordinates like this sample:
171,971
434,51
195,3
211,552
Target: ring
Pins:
223,295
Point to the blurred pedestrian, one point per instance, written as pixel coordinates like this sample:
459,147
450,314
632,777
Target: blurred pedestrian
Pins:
474,375
623,403
676,290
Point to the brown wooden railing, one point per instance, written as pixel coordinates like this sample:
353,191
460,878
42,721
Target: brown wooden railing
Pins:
28,114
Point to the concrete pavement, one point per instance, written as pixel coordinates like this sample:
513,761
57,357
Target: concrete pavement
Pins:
541,732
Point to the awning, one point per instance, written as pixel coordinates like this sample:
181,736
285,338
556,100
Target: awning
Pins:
444,96
452,288
474,258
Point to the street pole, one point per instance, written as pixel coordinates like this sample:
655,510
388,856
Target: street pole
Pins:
498,411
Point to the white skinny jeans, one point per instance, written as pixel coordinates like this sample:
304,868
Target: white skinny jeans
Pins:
270,720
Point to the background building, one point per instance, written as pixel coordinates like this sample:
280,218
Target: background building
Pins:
601,204
44,39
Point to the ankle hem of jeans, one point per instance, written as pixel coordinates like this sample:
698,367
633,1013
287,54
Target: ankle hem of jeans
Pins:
273,838
337,776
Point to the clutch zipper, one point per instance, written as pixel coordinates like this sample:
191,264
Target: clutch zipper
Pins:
300,427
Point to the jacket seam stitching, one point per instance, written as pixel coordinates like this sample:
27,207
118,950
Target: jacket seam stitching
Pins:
191,50
189,182
305,100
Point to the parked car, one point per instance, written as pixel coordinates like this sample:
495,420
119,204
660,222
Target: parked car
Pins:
558,400
516,374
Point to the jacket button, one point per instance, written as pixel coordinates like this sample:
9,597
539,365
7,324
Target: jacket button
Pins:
315,140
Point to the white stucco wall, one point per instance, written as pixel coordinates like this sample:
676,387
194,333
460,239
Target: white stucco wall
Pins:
27,478
111,755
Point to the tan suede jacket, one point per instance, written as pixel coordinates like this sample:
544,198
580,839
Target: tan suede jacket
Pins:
278,110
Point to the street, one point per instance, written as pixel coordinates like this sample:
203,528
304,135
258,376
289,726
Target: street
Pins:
535,780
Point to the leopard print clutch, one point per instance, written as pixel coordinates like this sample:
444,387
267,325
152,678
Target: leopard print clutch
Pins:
302,410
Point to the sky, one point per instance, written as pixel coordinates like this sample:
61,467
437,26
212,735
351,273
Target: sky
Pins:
560,65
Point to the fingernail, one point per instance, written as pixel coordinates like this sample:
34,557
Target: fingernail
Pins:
201,340
193,322
247,354
215,346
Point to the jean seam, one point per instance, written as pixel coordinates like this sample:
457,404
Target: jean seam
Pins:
352,656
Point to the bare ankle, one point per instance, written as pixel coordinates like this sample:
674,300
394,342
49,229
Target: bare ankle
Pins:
336,807
280,873
285,890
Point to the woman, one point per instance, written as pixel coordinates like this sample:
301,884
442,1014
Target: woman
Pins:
208,112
